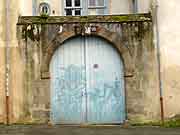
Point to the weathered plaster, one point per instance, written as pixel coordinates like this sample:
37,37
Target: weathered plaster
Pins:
169,19
2,84
2,60
144,6
121,7
15,76
25,7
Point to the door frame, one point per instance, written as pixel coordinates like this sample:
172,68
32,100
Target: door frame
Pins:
113,38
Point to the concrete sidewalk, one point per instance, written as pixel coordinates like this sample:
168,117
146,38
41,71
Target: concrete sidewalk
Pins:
92,130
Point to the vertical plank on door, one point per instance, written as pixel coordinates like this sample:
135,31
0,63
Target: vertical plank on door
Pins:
105,83
68,83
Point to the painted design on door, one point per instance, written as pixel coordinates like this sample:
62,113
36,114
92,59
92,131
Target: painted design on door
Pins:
68,92
105,103
72,78
83,89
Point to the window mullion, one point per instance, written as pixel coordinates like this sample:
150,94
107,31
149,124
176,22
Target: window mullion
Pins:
73,12
73,3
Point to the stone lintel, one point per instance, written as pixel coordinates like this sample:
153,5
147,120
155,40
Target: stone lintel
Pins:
23,20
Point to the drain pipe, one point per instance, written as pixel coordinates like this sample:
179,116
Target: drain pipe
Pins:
7,64
155,8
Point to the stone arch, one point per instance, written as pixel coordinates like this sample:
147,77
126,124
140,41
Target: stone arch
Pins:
112,37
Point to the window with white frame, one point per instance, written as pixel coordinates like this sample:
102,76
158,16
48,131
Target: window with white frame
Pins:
85,7
72,7
96,7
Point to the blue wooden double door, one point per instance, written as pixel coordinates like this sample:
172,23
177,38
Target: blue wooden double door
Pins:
87,83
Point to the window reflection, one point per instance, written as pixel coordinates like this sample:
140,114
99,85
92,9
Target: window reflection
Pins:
68,3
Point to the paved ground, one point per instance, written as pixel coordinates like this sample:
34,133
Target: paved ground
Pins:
64,130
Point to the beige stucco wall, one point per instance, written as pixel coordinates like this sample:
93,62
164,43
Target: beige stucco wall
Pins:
125,6
144,6
120,6
57,7
2,59
169,20
16,69
25,7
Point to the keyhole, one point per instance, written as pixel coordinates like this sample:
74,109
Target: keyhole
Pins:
96,66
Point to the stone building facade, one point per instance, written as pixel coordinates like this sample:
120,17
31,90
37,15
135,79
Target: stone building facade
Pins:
28,43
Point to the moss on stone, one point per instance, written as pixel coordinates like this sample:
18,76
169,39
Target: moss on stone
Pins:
166,124
44,16
172,123
44,19
29,32
120,18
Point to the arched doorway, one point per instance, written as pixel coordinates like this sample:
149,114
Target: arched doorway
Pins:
87,83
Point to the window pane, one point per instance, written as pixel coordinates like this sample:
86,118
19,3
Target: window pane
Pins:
100,11
78,12
100,3
92,11
77,3
68,3
68,11
92,2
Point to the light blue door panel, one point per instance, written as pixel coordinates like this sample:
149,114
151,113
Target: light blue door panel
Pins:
105,83
87,83
68,83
